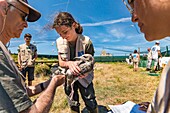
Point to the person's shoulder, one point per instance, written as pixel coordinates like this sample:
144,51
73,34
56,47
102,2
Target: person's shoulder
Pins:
22,45
61,41
85,39
59,38
32,45
153,46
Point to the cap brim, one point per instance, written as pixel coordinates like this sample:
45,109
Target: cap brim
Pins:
33,15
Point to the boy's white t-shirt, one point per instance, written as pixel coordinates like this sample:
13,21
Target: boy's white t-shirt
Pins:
154,50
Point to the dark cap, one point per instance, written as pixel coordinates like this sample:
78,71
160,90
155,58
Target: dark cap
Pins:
33,15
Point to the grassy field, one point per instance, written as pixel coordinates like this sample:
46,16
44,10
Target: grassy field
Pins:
115,83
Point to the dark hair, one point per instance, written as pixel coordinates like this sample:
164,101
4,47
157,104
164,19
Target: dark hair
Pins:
65,18
130,1
135,51
27,35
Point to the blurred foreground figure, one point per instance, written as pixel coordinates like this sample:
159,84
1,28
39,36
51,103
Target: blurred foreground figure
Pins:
153,19
14,95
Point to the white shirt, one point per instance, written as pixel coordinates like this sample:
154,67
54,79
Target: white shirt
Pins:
155,50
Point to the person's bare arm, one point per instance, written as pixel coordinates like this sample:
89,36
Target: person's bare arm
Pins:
139,57
34,90
62,63
36,56
44,101
159,53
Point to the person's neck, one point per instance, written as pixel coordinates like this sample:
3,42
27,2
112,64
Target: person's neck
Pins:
4,38
74,41
27,43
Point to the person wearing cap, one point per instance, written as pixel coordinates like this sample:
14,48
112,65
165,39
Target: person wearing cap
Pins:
155,51
14,94
27,54
153,20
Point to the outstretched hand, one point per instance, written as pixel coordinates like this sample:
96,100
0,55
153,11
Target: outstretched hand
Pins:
144,106
60,79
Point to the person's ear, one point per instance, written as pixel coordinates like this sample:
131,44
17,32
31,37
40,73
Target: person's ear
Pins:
6,9
74,25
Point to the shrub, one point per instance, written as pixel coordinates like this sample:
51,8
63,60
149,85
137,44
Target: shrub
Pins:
42,70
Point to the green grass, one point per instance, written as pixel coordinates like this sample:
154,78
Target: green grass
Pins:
115,83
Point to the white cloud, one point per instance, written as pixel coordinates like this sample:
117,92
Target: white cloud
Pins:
107,22
110,40
60,4
103,38
117,33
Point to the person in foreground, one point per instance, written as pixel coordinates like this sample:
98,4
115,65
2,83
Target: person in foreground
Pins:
153,19
14,95
72,44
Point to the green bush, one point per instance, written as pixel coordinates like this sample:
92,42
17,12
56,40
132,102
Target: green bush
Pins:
42,70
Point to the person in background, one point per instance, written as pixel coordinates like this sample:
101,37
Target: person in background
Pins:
27,54
14,94
155,55
73,44
149,60
153,19
130,58
136,59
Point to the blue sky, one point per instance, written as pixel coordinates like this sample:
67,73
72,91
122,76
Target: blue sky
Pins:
106,22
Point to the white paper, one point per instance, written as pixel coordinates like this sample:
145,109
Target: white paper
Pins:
122,108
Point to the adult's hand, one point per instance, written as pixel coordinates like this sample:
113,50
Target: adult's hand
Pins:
144,106
59,79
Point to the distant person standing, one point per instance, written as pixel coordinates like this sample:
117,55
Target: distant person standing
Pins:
149,59
155,54
130,58
136,59
27,54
